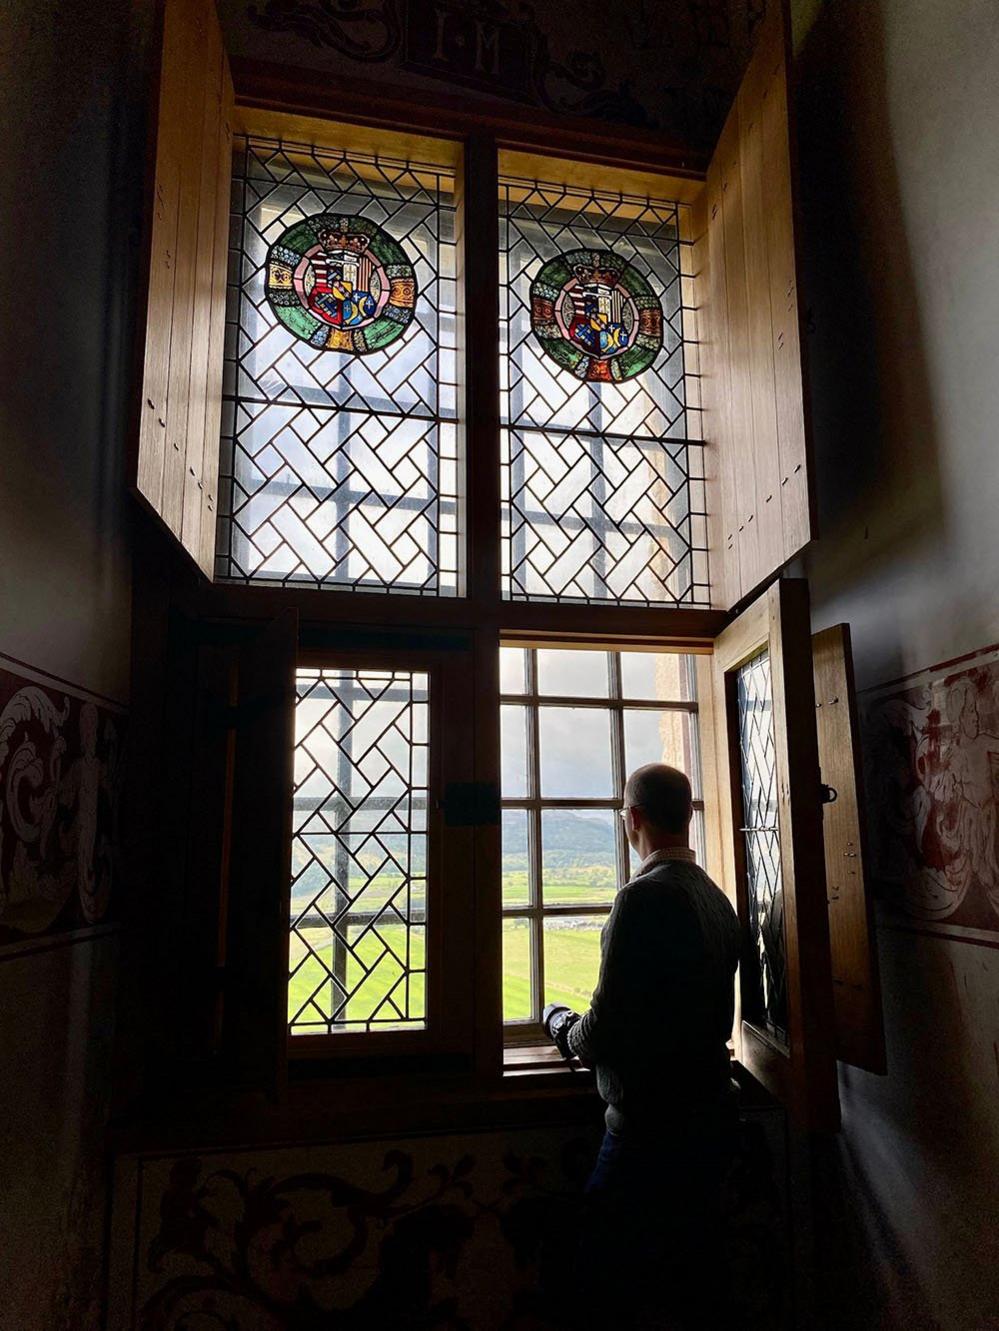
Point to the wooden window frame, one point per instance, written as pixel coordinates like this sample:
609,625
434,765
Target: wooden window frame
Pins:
474,151
529,1032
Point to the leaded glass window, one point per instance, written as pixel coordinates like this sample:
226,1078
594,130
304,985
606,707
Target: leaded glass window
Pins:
359,853
574,724
766,999
339,463
603,496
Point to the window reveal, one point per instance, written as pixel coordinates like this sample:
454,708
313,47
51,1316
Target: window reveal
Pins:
339,454
359,853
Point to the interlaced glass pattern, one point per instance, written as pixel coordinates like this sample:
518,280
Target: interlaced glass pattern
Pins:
339,469
573,725
603,493
359,851
762,839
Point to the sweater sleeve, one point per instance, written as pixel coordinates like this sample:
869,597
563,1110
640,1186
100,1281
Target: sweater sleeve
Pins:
603,1032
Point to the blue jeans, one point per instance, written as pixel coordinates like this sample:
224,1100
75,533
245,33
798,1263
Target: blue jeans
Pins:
652,1240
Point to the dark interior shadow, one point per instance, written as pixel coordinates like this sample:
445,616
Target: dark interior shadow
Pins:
875,438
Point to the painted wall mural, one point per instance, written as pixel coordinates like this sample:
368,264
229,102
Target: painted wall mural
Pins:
640,62
455,1232
60,762
931,750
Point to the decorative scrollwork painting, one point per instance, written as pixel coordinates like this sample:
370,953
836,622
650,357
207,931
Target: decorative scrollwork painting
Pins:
931,758
59,771
450,1231
644,63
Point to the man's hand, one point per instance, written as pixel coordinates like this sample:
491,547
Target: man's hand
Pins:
558,1020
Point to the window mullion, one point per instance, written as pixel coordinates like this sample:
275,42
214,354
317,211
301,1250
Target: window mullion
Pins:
479,359
534,841
617,760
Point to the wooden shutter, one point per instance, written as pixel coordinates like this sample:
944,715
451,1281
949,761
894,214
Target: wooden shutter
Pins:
745,288
255,1017
797,1064
176,461
856,983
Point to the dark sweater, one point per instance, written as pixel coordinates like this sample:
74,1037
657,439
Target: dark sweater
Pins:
661,1015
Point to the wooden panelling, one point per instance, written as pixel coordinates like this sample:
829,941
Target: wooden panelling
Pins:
255,1004
739,301
797,503
764,454
712,323
856,986
208,489
804,1074
177,450
754,416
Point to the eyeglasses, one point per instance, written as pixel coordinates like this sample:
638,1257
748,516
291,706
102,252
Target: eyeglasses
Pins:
623,813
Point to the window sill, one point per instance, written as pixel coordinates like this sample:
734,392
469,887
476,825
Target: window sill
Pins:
543,1061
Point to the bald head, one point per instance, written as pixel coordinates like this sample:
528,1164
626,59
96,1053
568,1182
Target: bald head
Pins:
663,795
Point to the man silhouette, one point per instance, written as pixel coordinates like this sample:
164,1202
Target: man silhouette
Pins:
656,1032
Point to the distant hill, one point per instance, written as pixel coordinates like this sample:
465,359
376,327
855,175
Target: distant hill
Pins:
569,839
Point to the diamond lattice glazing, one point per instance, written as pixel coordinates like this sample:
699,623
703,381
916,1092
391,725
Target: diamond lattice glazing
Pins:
762,838
603,494
359,853
340,469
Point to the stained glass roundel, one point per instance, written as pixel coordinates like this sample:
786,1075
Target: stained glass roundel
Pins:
596,315
341,283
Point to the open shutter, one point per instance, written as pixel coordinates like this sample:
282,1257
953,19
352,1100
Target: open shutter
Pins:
856,983
745,287
176,461
255,909
771,848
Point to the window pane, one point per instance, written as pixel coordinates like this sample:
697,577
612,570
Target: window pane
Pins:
648,676
572,959
662,737
765,993
359,854
517,982
513,670
339,458
575,753
513,750
516,858
579,856
602,495
575,674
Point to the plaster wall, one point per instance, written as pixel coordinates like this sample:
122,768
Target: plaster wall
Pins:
68,213
899,127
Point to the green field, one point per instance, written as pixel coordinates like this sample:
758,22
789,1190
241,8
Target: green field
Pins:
572,958
578,868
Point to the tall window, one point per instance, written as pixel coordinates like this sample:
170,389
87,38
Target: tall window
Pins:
339,463
602,481
574,724
359,856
